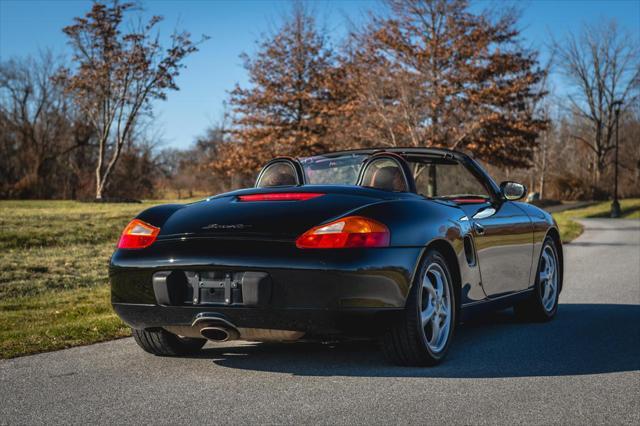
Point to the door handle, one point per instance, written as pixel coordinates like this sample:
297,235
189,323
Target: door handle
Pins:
479,228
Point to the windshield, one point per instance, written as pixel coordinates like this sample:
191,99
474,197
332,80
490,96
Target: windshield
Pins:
333,170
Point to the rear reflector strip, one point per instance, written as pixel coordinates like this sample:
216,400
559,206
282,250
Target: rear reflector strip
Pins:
280,196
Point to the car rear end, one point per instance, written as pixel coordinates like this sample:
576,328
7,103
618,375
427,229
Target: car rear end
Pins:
263,265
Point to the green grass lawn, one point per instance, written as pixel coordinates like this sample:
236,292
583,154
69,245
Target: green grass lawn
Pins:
54,289
570,229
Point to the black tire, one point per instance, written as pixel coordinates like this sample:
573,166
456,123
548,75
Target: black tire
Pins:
533,309
405,343
161,342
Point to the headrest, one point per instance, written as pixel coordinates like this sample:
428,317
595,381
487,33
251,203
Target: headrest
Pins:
388,178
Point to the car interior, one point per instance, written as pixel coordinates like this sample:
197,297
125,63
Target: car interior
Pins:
385,174
431,177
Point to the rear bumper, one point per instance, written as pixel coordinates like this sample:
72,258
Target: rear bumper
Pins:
356,322
316,291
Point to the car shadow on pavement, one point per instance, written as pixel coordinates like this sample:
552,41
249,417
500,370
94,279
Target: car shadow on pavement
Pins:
582,339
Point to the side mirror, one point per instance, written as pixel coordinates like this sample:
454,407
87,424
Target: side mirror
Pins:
513,190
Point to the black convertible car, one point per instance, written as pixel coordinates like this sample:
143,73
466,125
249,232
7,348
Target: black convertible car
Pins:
400,244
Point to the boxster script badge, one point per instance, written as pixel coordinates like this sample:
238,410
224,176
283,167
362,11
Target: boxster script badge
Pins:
230,226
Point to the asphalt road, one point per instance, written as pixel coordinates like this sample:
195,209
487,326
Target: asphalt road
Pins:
582,368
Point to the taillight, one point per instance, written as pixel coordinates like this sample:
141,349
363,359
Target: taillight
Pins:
348,232
137,235
280,196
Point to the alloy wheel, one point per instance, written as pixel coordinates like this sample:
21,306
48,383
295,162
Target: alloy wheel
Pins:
548,278
435,313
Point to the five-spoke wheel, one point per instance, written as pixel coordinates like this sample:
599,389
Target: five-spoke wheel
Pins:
548,277
435,312
542,305
423,334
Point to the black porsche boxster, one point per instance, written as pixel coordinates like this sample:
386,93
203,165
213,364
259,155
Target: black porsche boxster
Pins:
400,244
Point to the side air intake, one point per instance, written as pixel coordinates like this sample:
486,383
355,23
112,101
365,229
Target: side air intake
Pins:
469,251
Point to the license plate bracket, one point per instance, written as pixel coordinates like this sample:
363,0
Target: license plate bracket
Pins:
209,288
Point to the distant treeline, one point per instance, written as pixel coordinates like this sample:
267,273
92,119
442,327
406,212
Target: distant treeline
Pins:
418,73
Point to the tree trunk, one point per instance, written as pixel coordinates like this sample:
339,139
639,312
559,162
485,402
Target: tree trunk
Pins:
543,168
101,151
99,187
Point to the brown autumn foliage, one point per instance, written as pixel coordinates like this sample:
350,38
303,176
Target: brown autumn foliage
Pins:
433,73
430,74
289,106
117,74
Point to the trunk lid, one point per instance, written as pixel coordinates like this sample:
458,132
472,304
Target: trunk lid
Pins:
225,216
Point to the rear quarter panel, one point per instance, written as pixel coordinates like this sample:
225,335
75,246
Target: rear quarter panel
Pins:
423,223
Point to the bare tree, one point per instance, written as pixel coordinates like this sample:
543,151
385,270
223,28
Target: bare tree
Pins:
117,74
38,125
602,65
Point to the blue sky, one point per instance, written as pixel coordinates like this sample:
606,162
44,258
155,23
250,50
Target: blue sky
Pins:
29,25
